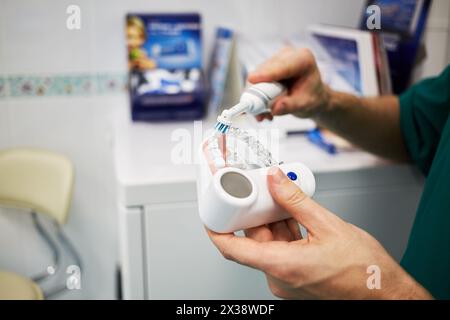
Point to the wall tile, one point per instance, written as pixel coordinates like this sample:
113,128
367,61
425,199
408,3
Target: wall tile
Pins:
36,39
5,125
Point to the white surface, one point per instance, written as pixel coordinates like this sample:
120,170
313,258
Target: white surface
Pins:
436,40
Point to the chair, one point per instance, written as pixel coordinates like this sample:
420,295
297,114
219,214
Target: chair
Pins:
38,182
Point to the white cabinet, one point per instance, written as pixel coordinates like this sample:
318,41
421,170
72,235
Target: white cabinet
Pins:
182,263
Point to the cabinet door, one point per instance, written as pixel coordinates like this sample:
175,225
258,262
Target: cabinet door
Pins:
131,253
182,263
386,212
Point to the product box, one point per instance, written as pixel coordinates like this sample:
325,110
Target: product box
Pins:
166,80
402,27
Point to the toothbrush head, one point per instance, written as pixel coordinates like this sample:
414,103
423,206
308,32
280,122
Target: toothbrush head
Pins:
223,123
222,127
225,119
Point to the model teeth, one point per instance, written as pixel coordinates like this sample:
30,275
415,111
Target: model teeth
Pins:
256,153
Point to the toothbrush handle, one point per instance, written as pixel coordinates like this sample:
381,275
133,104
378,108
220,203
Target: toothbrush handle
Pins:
270,89
261,95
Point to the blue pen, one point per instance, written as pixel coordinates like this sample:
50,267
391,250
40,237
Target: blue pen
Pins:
315,137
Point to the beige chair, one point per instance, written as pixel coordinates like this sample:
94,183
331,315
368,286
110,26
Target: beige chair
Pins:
38,182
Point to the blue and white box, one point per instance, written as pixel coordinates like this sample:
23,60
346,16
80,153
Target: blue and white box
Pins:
166,80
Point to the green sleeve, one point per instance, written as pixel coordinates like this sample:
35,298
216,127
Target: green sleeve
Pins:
424,110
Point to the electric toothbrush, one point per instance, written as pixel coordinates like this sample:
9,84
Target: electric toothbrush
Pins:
255,100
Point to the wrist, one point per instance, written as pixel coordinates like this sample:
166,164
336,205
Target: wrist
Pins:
336,101
335,104
412,290
404,287
328,103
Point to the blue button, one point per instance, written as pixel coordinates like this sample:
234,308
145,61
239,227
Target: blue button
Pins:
291,175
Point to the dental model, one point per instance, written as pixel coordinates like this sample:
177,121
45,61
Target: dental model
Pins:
236,199
232,186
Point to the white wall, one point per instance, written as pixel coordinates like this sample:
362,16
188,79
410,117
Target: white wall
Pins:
34,40
437,41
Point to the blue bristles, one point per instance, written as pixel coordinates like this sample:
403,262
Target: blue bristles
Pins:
221,127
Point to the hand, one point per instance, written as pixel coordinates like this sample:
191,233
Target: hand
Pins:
330,263
307,95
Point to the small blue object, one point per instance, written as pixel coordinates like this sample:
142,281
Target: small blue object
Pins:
291,175
315,137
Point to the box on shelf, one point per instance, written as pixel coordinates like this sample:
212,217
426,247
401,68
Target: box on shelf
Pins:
166,80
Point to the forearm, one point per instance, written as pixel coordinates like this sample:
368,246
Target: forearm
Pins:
370,123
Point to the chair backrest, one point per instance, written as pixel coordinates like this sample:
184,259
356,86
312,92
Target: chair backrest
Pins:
37,180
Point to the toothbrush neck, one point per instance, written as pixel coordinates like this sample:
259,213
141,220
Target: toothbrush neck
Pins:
239,108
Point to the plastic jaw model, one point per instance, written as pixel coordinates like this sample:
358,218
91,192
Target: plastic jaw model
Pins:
232,182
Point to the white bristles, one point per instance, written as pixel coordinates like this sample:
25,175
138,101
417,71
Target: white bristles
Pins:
224,120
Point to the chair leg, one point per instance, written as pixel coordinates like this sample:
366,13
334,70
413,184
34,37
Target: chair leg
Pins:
68,247
51,245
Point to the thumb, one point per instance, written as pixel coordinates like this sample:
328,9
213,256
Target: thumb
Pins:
291,198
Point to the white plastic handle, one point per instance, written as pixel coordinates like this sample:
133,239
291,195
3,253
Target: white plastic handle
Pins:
237,199
270,89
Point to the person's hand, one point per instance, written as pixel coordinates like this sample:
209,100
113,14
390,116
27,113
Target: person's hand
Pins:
306,96
331,262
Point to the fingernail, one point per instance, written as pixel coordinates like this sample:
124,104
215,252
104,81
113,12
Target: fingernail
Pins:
277,175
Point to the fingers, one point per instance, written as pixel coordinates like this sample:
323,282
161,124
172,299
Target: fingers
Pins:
286,230
261,234
287,63
240,249
303,105
259,117
294,228
262,116
281,231
265,256
286,105
290,197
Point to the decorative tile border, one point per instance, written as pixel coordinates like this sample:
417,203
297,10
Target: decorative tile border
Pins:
2,88
62,85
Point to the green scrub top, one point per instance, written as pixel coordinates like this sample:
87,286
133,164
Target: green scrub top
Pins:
425,124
